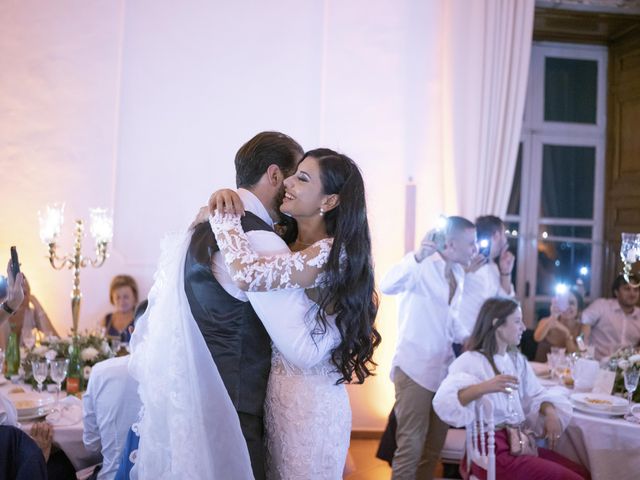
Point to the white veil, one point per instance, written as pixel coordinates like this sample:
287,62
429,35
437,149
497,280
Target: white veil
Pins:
189,427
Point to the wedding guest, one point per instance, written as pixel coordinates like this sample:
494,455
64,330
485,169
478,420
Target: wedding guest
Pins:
561,328
612,323
13,297
492,368
34,455
110,407
492,277
430,281
123,295
29,315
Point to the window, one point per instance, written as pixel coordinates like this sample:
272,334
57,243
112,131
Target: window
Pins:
554,217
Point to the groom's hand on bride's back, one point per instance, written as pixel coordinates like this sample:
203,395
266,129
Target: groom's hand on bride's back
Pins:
226,201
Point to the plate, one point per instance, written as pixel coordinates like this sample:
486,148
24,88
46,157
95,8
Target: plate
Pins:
41,412
598,402
540,369
593,411
30,403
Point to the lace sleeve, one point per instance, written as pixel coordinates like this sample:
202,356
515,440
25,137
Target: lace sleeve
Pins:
254,273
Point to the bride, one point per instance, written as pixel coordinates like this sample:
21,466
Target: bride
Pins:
307,413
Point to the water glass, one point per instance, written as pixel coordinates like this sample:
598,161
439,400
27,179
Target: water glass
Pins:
39,369
58,372
631,377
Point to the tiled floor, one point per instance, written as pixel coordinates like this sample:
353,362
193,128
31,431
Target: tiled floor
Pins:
364,464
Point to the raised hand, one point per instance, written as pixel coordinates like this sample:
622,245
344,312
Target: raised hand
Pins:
15,291
500,384
427,247
506,261
477,261
226,201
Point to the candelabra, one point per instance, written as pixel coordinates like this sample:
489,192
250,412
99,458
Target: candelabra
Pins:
101,229
630,253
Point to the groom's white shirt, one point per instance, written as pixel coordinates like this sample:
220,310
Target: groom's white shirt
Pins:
288,315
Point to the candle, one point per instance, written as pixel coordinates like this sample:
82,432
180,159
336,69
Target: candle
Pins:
51,223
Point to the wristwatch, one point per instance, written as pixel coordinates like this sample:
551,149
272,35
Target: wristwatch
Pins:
7,308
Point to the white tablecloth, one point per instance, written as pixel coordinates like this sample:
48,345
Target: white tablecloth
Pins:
68,438
608,446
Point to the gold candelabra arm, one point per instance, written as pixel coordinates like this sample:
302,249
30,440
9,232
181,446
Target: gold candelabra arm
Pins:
58,263
101,256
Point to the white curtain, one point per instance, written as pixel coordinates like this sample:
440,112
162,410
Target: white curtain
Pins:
485,69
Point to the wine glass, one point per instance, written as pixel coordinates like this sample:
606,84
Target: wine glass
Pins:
1,361
58,372
511,413
631,377
40,370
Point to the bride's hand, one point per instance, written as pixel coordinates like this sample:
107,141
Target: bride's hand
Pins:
226,201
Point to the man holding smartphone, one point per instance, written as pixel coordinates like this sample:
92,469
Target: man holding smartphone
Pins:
429,282
492,277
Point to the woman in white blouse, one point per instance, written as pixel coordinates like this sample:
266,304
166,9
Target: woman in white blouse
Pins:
493,367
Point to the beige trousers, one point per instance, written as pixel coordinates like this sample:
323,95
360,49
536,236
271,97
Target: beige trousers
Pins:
420,434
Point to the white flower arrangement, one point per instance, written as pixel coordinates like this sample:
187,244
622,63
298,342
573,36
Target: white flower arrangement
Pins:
51,355
89,354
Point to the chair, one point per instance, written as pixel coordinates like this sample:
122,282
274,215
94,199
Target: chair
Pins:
481,446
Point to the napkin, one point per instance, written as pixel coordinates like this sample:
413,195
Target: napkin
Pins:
68,413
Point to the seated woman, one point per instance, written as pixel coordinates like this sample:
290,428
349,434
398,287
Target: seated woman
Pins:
561,328
123,295
492,367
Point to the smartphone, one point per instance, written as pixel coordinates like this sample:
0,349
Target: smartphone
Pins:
484,247
562,297
437,236
15,264
4,287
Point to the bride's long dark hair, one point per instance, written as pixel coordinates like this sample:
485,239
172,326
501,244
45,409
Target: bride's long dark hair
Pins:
349,293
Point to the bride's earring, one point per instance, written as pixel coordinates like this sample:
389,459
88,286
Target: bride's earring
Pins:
321,212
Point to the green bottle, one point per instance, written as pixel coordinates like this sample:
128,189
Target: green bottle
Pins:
74,373
12,357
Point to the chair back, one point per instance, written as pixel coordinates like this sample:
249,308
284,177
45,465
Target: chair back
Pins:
481,445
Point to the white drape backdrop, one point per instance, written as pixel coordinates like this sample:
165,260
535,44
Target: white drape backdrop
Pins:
484,83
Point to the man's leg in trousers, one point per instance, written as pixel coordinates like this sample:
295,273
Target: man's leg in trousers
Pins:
412,409
253,432
436,437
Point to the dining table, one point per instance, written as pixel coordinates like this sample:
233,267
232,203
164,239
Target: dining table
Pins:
67,426
606,444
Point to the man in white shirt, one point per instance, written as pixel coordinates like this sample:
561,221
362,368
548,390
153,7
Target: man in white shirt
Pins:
612,323
430,282
492,277
110,406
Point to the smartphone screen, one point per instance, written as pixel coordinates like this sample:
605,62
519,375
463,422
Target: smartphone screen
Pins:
484,247
15,264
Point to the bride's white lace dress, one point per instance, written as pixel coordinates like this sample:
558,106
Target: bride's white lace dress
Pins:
307,421
307,415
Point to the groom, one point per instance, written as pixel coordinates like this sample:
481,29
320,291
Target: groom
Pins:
237,340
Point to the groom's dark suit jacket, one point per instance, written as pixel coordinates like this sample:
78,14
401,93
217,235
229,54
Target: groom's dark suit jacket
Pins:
237,340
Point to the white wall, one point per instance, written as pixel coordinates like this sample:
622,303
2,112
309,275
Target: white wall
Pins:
141,105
